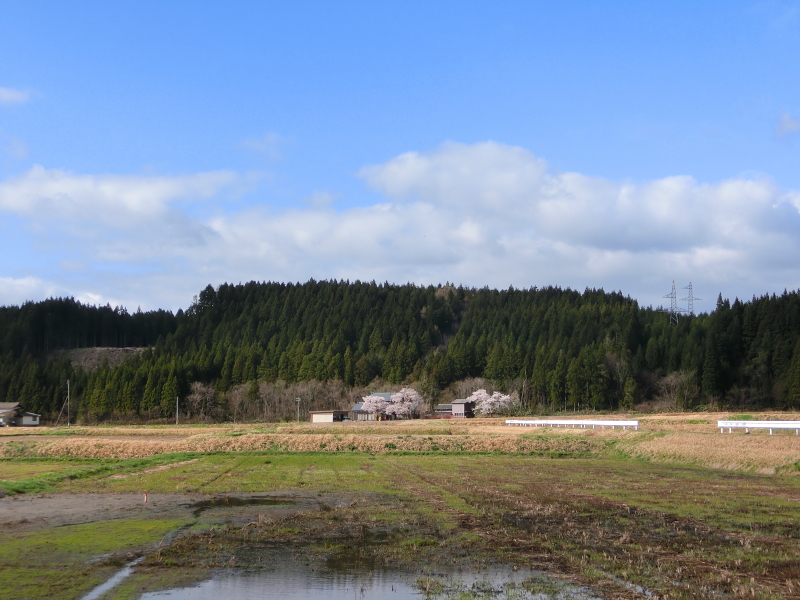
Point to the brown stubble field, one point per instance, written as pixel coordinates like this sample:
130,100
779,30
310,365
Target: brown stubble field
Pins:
677,509
686,438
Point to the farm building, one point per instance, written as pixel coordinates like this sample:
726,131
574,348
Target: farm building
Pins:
457,409
463,409
12,415
359,414
328,416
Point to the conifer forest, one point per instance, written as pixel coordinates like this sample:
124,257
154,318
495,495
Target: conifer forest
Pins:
245,351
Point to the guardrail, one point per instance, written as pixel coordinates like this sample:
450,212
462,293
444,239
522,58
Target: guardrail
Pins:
748,425
583,424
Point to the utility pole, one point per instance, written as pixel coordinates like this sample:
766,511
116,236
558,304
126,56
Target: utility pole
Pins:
298,409
67,403
176,410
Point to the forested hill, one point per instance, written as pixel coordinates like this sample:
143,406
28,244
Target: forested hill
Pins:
555,348
41,327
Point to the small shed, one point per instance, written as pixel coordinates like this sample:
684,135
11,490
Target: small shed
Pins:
463,409
30,419
327,416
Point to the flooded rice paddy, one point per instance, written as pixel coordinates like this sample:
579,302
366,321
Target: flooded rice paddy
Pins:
292,581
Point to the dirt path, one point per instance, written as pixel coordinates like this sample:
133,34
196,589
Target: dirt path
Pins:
26,512
53,510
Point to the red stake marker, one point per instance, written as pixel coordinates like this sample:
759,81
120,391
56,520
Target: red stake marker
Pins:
145,498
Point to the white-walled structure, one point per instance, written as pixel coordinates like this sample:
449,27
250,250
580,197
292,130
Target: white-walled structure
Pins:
583,424
327,416
748,425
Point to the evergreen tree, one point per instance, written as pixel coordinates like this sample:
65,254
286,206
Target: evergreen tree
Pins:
558,383
349,372
169,394
711,368
793,378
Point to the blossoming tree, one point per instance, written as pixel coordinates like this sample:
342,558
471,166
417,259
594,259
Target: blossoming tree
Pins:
402,405
405,404
374,404
486,404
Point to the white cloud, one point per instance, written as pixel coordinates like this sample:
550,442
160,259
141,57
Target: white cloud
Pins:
17,291
481,214
9,96
509,188
787,125
268,145
321,199
15,148
119,201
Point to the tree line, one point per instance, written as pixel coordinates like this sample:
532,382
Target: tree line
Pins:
556,349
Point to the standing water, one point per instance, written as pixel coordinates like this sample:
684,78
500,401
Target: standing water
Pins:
118,576
295,582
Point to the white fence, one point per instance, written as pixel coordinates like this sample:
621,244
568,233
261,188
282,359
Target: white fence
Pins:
583,424
748,425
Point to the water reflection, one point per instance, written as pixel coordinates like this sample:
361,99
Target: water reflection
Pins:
113,581
268,586
296,581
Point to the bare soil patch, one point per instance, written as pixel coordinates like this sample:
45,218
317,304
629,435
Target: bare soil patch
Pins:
26,512
53,510
91,358
156,469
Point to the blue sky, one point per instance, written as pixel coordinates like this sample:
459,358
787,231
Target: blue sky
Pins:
148,149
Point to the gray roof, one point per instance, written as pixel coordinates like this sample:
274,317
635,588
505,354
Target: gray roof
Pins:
463,401
7,408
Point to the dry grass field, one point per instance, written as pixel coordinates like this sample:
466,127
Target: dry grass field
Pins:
675,510
683,438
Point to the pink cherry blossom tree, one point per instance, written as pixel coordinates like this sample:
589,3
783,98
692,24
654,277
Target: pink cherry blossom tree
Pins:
374,404
405,404
490,405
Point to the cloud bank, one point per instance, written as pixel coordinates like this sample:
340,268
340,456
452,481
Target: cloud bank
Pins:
479,214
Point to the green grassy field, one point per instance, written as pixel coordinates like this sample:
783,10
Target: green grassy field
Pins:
63,562
16,470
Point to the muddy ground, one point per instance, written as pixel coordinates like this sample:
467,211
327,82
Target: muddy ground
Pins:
29,512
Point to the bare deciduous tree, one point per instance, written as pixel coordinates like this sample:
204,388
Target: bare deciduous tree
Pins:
201,402
677,390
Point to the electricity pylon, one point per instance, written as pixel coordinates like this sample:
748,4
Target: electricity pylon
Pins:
673,311
690,298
